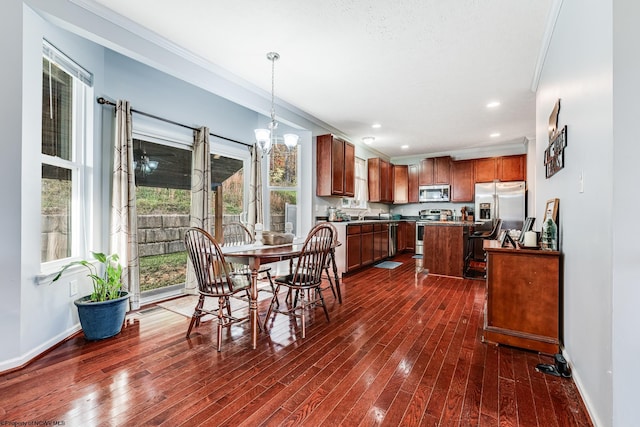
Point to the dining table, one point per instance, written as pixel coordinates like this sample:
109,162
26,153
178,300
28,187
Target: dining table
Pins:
254,255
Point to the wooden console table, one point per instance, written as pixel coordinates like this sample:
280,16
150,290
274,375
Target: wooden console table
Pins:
523,298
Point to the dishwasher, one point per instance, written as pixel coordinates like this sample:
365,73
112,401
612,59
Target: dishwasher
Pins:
393,238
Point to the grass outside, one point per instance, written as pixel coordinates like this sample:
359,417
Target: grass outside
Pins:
158,271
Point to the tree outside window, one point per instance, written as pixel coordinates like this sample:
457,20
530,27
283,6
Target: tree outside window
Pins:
283,187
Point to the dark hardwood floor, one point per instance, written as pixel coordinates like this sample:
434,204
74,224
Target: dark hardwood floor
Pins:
404,348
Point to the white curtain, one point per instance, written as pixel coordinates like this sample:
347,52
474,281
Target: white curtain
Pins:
255,213
200,190
124,219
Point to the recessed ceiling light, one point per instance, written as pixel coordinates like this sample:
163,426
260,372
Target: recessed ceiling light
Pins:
493,104
495,135
368,140
376,125
405,147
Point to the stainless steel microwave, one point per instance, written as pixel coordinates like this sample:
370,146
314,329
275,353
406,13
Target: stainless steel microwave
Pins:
434,193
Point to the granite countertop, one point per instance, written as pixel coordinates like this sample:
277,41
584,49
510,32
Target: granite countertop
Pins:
373,220
450,223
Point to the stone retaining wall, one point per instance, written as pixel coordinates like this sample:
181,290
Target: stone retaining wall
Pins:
157,234
161,234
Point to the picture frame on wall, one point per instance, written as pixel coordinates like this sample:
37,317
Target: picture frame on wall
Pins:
551,210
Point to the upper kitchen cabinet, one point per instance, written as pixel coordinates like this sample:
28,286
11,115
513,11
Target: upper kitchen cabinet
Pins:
506,168
486,169
380,174
512,168
400,184
462,183
435,170
336,165
414,178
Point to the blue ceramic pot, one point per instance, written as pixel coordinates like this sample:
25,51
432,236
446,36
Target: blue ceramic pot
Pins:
103,319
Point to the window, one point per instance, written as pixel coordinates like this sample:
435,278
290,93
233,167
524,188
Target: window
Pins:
227,185
65,89
283,187
362,190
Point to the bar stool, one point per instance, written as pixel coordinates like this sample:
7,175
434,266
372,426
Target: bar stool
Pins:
479,236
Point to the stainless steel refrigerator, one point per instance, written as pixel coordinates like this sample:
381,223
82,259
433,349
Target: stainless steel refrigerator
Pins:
505,200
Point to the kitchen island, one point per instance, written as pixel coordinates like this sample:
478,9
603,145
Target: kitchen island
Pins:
445,244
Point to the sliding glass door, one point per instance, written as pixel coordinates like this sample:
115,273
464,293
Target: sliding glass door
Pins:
163,193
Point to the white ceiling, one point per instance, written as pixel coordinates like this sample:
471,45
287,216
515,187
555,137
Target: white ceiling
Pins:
423,69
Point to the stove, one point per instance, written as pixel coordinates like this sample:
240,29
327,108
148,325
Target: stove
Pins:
434,215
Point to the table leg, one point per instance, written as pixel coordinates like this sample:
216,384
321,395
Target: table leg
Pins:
335,274
253,304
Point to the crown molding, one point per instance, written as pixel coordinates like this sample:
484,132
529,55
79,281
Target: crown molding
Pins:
552,19
156,39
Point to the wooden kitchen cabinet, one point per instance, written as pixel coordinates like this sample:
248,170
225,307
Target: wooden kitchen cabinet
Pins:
462,181
506,168
523,298
360,246
435,170
402,238
406,236
367,241
413,180
354,259
335,167
380,174
400,184
380,241
485,169
512,168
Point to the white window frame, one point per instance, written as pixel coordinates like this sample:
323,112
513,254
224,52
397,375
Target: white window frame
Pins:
80,157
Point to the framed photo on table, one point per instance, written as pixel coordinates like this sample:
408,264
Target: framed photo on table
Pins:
551,210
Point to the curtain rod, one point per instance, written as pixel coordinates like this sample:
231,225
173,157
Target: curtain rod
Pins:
105,101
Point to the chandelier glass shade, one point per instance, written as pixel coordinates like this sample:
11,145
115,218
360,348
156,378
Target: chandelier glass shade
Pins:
142,164
267,138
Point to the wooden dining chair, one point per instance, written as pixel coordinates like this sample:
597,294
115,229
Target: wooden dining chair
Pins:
331,265
214,280
306,277
237,234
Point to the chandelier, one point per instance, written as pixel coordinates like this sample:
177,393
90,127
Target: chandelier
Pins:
267,138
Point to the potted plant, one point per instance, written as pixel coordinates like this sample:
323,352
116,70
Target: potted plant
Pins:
102,312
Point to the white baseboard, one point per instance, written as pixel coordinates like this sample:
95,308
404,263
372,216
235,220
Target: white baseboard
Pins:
579,385
17,362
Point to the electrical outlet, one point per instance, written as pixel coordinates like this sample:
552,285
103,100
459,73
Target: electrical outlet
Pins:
73,288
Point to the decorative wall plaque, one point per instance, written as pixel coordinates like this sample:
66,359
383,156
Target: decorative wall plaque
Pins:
554,154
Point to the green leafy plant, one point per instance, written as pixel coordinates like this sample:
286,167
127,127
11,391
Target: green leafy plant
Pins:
107,286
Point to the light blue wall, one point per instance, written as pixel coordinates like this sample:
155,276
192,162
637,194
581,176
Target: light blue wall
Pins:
156,92
578,69
36,315
10,171
626,235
